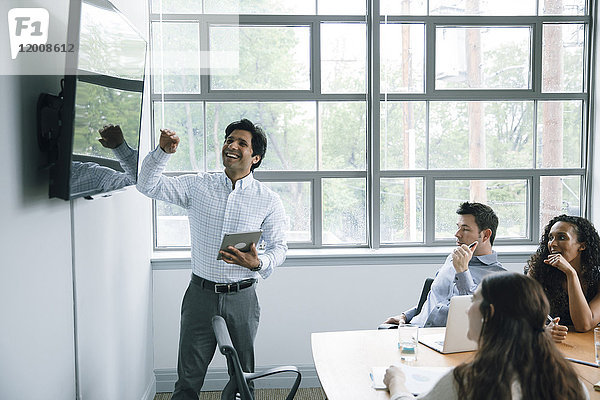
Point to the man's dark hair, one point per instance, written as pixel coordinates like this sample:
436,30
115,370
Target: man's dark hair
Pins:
485,217
259,139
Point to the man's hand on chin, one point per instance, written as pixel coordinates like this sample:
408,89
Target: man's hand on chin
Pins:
461,256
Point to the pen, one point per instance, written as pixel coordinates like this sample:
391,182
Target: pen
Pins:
582,362
472,245
550,319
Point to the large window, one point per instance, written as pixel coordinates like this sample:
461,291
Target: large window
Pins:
382,116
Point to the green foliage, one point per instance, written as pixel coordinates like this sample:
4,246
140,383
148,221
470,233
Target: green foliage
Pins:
572,56
343,58
296,200
175,64
290,130
508,199
344,211
509,130
448,135
402,71
569,133
394,227
507,66
262,65
343,135
402,124
187,119
96,106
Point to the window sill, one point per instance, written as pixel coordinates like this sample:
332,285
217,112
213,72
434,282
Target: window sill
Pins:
167,260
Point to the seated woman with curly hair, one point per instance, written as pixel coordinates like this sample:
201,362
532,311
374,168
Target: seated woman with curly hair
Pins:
516,358
567,264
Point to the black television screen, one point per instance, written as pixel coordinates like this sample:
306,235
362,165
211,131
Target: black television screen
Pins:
103,86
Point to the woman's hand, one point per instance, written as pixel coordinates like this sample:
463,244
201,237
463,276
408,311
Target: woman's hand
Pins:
557,332
558,261
394,379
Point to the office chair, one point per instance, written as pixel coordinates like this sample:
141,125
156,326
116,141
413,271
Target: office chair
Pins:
424,293
238,379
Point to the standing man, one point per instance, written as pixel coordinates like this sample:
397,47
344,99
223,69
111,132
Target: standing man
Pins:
217,203
465,267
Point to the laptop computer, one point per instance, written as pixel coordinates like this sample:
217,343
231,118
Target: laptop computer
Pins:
454,339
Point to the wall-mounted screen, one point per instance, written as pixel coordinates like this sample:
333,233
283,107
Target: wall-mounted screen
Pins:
103,86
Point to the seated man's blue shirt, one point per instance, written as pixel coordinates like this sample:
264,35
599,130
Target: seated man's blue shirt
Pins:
448,283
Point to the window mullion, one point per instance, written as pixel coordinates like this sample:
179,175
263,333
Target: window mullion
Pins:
204,56
428,181
374,128
317,211
429,209
533,209
316,57
429,58
537,49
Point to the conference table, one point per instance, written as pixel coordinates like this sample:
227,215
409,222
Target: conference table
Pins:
344,360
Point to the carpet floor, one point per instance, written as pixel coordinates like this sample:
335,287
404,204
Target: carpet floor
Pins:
261,394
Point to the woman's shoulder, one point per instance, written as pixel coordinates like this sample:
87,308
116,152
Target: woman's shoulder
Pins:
445,389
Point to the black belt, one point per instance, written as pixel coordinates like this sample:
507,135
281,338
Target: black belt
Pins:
222,287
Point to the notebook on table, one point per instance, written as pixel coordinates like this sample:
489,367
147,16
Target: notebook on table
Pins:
454,339
419,380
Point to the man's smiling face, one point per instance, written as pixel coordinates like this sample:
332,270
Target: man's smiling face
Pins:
237,153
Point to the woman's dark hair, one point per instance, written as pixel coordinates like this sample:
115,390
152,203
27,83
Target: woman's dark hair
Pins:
485,217
514,347
259,139
552,279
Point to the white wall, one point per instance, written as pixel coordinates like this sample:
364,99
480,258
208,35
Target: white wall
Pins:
296,301
36,308
111,248
113,315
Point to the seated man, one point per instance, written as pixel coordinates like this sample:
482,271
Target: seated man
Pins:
464,268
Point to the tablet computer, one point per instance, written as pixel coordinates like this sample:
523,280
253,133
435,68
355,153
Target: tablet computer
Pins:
241,241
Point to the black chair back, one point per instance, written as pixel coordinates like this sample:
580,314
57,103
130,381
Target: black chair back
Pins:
422,299
424,293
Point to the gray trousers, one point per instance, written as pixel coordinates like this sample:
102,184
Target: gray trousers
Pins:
197,341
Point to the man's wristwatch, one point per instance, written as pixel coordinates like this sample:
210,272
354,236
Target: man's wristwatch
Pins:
256,269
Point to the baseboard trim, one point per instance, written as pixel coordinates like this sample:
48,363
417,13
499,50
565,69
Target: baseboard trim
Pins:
217,378
150,390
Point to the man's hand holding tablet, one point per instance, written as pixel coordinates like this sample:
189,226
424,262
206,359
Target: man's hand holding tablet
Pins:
240,249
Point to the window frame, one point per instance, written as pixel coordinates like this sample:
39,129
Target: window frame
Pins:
373,98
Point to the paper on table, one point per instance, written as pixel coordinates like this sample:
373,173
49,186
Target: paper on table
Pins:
418,379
